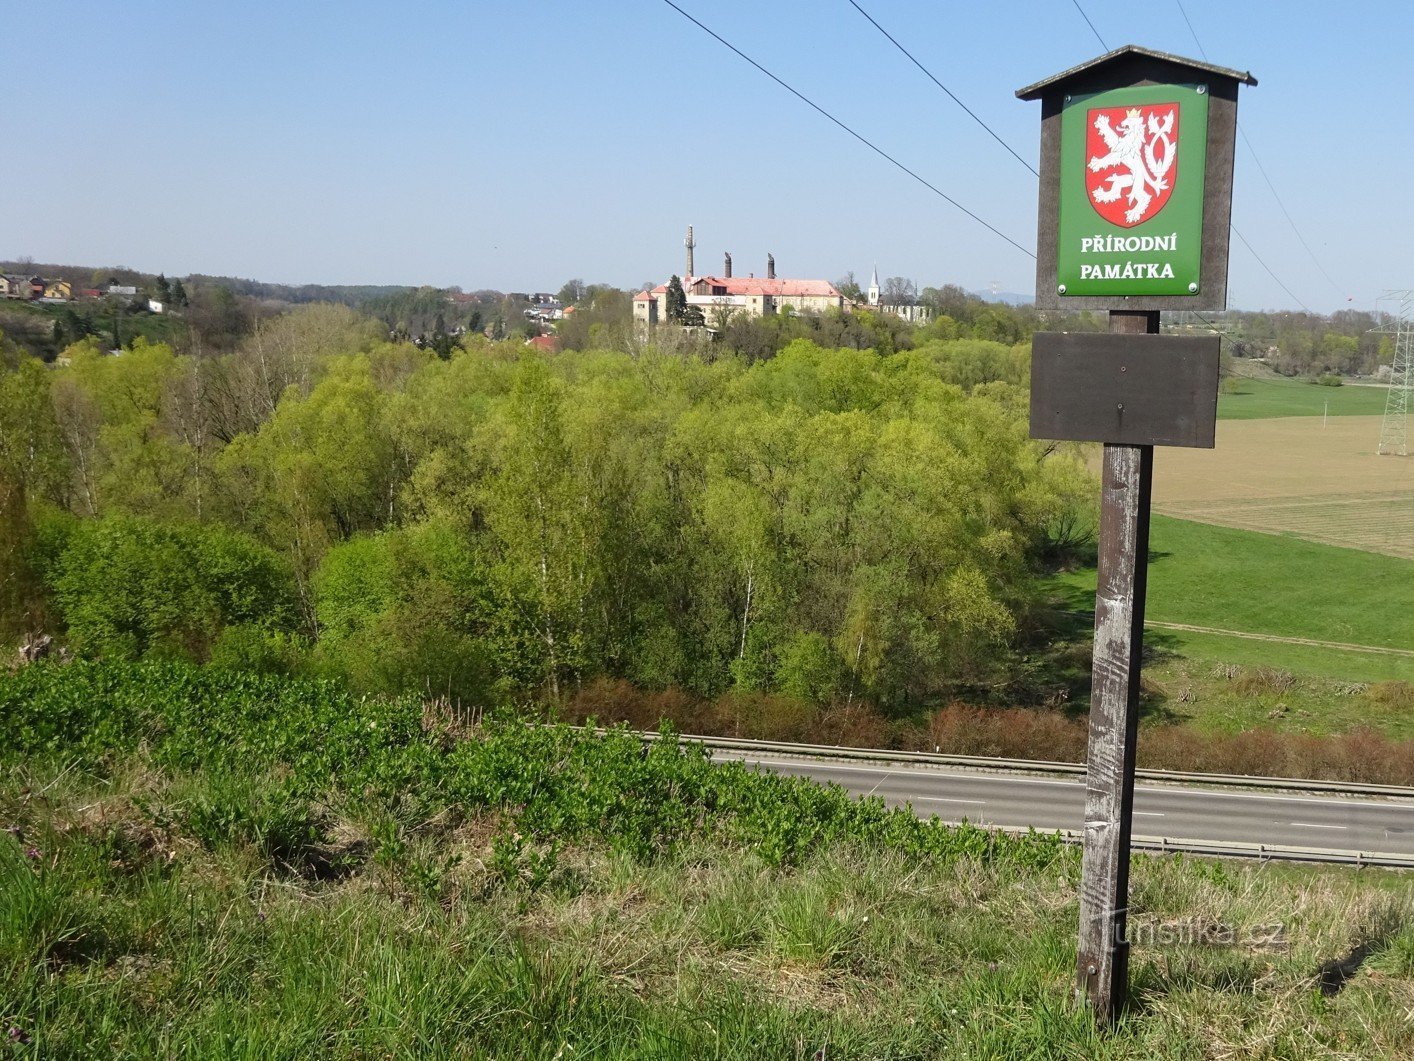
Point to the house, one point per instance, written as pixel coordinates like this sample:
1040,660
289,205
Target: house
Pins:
14,287
546,344
58,291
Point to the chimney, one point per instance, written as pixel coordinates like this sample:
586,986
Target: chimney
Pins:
728,266
689,243
770,267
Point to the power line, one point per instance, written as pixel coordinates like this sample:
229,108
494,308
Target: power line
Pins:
944,87
1192,30
867,143
1263,169
1267,267
1285,213
1090,24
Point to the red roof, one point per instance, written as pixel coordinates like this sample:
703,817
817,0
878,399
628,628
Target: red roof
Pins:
759,285
547,343
644,296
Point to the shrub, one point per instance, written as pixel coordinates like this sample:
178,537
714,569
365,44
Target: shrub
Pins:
250,647
130,587
1395,695
1263,681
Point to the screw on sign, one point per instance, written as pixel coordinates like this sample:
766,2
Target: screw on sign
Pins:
1135,199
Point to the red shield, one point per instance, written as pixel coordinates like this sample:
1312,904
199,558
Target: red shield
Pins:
1131,161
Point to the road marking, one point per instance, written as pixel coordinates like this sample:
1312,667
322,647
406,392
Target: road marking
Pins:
1148,814
944,799
1365,803
878,783
1313,825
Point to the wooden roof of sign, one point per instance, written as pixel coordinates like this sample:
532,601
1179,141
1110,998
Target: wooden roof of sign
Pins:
1128,54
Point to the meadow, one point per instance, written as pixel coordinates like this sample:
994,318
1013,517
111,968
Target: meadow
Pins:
1261,399
1221,584
198,864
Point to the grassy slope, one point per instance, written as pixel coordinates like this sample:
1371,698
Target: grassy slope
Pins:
1241,580
1273,584
154,910
1258,399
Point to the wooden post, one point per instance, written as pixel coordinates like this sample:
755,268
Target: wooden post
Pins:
1103,960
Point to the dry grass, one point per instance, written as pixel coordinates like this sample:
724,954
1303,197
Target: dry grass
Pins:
1292,475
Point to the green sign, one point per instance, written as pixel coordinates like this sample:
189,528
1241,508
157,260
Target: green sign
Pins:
1132,162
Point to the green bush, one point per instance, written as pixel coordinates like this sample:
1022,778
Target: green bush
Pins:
130,587
403,611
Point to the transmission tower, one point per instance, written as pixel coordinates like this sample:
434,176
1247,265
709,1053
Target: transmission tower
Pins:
1394,432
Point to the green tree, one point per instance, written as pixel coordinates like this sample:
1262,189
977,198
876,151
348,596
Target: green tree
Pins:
129,587
407,610
32,466
676,301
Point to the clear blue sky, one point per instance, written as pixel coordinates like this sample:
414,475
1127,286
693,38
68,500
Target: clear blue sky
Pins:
517,145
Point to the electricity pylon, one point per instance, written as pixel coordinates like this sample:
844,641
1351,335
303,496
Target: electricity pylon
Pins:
1394,432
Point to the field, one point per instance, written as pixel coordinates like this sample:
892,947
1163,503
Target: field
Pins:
1260,399
1218,579
197,865
1295,476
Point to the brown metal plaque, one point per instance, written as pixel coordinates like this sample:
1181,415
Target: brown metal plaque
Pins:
1136,390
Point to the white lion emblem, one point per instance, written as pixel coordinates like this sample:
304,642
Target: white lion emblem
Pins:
1148,158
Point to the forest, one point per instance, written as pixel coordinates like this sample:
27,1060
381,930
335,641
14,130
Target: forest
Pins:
829,524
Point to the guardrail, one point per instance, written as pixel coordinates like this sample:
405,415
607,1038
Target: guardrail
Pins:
1234,849
1037,766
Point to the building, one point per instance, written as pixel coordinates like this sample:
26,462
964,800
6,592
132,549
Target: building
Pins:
721,297
910,310
31,288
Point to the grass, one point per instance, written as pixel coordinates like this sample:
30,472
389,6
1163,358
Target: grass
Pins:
1217,577
1230,697
125,932
1228,579
1261,399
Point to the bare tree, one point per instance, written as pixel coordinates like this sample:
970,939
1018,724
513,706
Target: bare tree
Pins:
899,291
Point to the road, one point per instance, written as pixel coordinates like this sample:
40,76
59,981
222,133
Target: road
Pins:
1161,812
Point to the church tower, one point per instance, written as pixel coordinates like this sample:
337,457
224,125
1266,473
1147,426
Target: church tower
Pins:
874,287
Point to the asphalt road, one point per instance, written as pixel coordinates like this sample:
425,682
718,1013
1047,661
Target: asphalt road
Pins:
1166,812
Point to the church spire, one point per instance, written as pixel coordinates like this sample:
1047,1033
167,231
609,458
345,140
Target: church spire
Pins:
874,286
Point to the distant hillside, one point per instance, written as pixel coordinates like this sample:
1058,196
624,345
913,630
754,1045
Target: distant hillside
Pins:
100,276
1011,298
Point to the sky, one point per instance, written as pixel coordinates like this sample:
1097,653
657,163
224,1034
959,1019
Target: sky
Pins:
516,146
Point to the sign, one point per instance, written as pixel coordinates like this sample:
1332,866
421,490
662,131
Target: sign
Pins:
1134,390
1135,196
1131,195
1136,182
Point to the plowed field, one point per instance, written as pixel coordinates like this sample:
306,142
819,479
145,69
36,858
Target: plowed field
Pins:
1293,475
